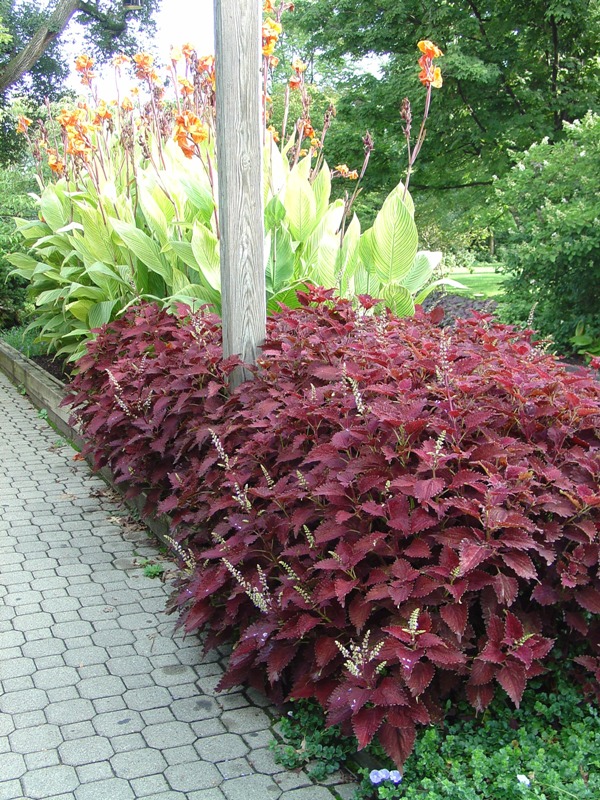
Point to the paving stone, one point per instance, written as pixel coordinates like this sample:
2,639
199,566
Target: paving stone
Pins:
26,700
20,684
105,704
77,730
244,720
43,758
70,630
30,740
252,787
110,789
44,647
221,748
95,688
128,742
197,775
207,794
196,708
43,783
235,768
152,785
70,711
84,656
143,699
98,771
85,751
137,763
169,734
180,755
11,790
55,678
263,761
117,723
12,765
309,793
128,665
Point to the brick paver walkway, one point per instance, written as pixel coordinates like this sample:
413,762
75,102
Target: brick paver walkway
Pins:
99,700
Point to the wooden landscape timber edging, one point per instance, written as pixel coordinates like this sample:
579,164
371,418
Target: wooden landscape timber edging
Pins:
47,393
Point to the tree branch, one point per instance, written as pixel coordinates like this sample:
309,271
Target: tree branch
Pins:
423,188
50,30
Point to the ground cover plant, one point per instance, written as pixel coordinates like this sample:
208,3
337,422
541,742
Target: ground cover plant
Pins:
546,749
384,517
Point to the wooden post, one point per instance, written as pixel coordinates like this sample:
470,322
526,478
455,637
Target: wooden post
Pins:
239,157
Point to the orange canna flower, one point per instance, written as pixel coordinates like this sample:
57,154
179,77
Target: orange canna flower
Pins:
268,7
176,54
314,142
273,133
126,104
24,123
188,50
429,75
430,49
187,88
206,64
55,163
143,66
119,60
273,61
102,112
83,63
308,130
189,131
295,82
352,176
299,65
271,31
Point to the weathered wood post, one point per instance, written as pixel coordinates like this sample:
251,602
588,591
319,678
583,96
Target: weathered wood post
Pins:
238,54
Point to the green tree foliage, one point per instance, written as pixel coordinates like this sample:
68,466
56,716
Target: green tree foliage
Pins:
15,200
513,73
551,232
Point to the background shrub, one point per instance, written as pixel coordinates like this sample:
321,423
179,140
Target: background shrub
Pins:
552,234
383,516
15,183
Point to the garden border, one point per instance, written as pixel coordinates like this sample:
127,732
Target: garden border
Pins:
47,393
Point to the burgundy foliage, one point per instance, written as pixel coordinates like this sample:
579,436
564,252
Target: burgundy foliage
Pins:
430,502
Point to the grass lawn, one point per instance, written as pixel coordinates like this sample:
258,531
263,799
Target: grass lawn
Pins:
483,280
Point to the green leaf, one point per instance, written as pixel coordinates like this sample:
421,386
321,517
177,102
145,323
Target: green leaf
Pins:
53,209
300,205
25,264
422,269
205,247
398,299
200,197
274,213
281,259
322,189
80,309
100,313
144,248
394,241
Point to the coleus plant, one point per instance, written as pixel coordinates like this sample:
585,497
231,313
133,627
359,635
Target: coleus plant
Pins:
386,515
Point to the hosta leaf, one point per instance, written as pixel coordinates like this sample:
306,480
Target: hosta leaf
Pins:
394,241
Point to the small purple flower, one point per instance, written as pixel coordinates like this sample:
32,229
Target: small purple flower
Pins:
375,777
384,774
395,777
523,780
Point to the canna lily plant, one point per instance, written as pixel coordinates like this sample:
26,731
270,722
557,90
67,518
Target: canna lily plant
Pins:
130,213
